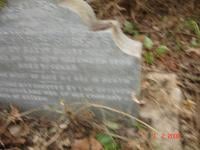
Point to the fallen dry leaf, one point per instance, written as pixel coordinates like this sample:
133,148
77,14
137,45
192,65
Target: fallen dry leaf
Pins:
189,104
133,145
86,144
194,50
15,130
18,130
15,113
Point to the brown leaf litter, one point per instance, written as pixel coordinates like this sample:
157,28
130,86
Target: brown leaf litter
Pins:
164,22
71,131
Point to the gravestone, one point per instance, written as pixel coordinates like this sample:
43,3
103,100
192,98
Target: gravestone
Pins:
49,53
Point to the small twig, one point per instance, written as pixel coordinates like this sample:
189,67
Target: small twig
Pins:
9,120
156,102
30,111
111,134
82,108
152,70
54,138
2,143
115,135
188,34
119,112
122,113
118,136
191,77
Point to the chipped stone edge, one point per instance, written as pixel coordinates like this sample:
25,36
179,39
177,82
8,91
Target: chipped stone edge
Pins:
86,13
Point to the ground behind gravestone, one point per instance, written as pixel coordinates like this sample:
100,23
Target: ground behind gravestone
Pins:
170,33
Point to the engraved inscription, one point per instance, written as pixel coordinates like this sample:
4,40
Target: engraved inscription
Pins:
47,54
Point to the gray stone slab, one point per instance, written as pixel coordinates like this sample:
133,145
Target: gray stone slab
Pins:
48,53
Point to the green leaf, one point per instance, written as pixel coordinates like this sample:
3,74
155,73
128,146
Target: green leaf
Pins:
195,43
148,43
2,3
149,57
192,25
162,49
138,125
130,28
112,125
107,142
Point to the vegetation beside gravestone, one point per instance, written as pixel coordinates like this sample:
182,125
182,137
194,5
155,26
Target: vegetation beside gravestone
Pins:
170,33
2,3
18,130
173,24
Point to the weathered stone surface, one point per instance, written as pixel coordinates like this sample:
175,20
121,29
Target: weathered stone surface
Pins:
47,53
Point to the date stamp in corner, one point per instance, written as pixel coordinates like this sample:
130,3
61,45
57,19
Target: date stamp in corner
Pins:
168,136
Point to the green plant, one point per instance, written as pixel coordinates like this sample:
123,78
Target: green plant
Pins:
161,50
149,57
138,125
130,28
148,43
194,27
2,3
107,141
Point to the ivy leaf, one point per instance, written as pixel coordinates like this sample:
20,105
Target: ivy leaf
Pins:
107,142
148,43
162,49
192,25
130,28
149,57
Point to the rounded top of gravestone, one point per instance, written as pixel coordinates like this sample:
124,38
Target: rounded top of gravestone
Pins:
46,16
38,16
